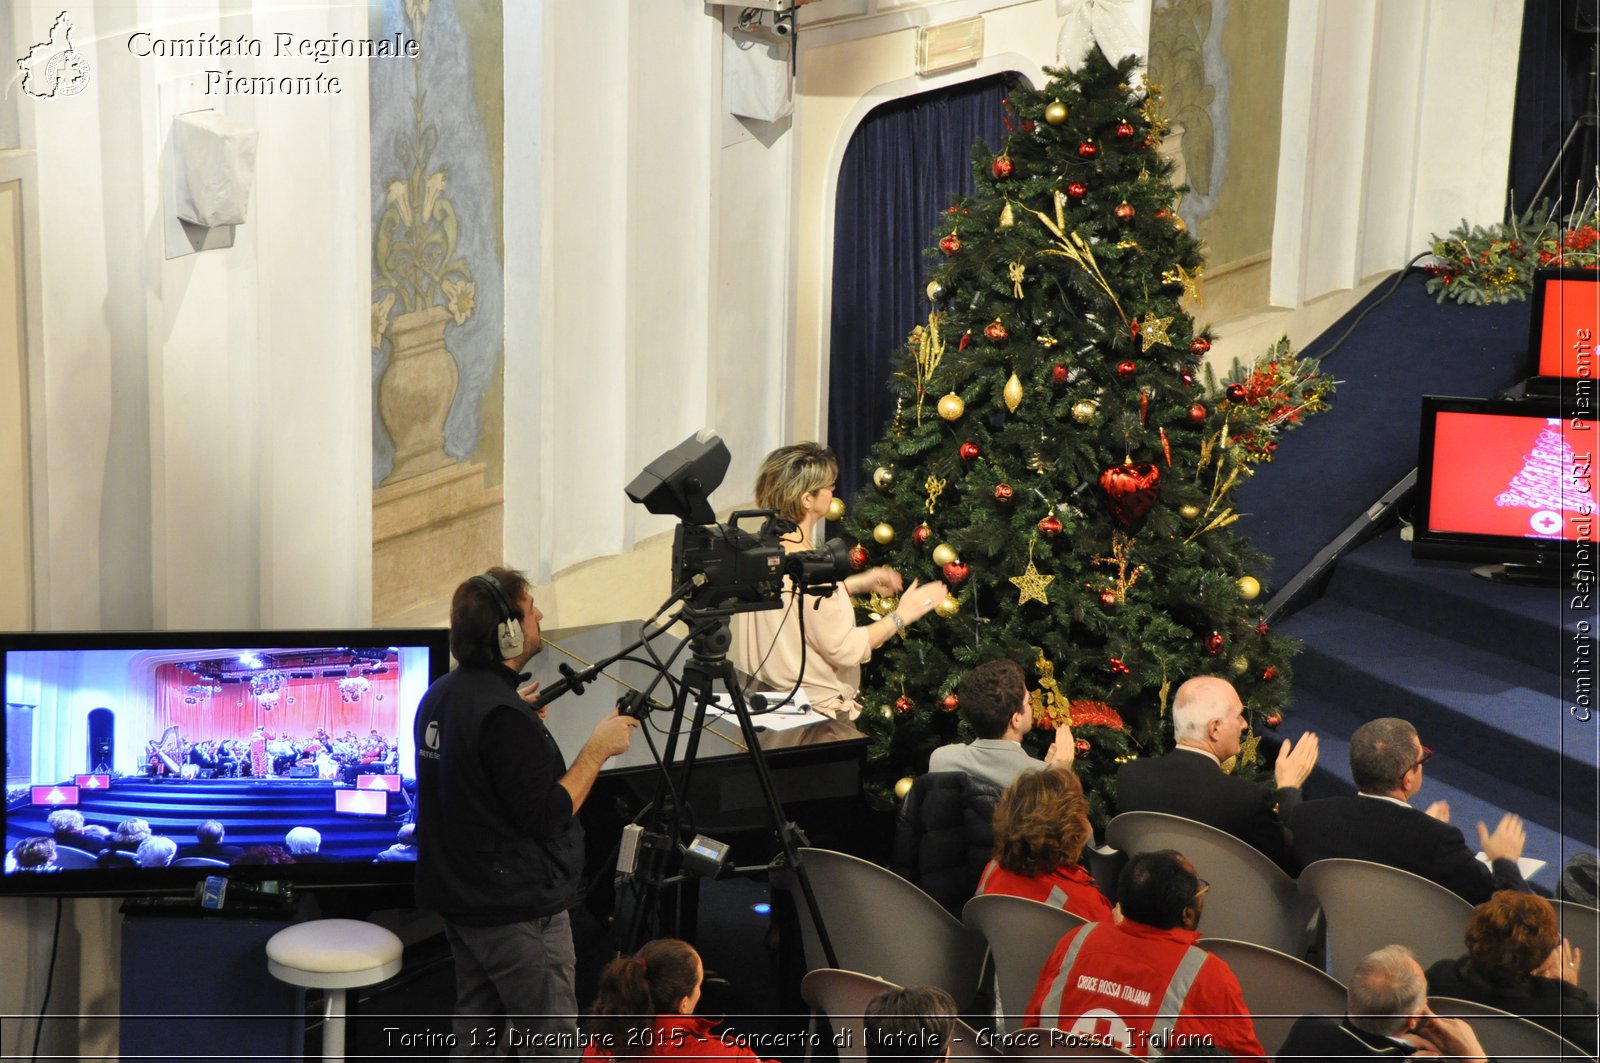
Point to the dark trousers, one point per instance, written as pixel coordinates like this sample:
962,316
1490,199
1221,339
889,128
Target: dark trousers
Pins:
514,989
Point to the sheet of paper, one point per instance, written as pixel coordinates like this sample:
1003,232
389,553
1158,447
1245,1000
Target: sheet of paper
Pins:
785,717
1526,864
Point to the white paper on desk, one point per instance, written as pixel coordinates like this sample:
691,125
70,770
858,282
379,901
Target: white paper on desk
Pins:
796,713
1529,866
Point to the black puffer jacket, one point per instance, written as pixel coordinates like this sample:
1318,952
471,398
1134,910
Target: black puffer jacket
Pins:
945,835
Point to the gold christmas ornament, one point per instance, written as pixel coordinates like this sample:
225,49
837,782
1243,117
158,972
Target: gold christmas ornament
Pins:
1032,585
943,554
1249,588
1178,223
934,290
836,509
902,787
952,406
1083,411
948,607
1055,113
1189,282
883,476
1047,342
1240,664
883,534
1153,330
1013,393
1007,217
1189,511
1128,244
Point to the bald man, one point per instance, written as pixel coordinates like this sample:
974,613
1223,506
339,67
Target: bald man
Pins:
1208,725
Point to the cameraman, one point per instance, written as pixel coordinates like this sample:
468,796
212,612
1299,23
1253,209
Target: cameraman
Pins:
797,482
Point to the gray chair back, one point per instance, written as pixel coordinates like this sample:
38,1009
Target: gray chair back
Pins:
1369,905
1507,1038
1580,924
1037,1043
1021,935
843,997
1251,899
1278,988
199,861
69,857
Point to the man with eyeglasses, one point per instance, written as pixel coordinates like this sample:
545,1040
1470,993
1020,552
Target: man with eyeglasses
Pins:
1142,985
1380,824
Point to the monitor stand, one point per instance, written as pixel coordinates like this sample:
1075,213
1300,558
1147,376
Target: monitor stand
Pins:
1516,572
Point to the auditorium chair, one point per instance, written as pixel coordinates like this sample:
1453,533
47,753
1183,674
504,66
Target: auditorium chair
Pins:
1021,934
1369,905
880,924
1278,988
1505,1037
69,858
1053,1044
198,861
1250,899
843,997
1580,924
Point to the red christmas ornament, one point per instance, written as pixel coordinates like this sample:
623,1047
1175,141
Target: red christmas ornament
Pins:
955,572
1261,628
859,557
1270,673
1108,599
1166,446
1081,745
1274,719
1088,149
904,705
995,332
920,533
1187,377
1144,406
1002,492
1124,130
1214,643
969,451
950,703
1124,211
966,338
1002,167
1077,190
1059,375
1050,524
1199,345
1027,126
1126,369
1237,392
950,244
1197,413
1132,489
1117,667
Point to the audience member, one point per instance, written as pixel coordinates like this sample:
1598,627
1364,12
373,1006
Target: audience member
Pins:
208,843
1517,961
1143,983
993,699
35,855
1387,1015
69,828
645,1007
1578,881
1208,724
264,854
303,844
1380,825
910,1025
129,833
1041,826
404,848
156,851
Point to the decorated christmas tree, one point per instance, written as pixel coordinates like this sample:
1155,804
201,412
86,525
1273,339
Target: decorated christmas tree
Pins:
1061,457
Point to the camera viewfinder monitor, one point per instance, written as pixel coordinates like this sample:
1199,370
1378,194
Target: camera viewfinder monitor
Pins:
1505,482
1563,331
110,737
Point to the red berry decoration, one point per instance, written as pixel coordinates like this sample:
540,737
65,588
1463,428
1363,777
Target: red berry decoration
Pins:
1270,673
920,533
1077,190
950,244
1237,392
1050,524
1108,599
1059,375
1088,149
1081,745
969,451
859,557
1261,628
1124,211
1124,130
955,572
950,703
1214,643
1199,345
1197,413
1002,493
995,332
1126,369
1002,167
904,705
1117,667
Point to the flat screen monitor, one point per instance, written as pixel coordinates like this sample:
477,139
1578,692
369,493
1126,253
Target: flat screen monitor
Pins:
1564,327
1505,482
260,732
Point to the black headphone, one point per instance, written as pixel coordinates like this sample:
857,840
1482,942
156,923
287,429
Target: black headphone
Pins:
508,631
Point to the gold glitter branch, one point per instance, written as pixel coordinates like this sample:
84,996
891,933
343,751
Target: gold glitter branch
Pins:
1074,247
927,349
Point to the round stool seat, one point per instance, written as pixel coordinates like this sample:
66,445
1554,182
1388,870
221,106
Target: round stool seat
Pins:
333,954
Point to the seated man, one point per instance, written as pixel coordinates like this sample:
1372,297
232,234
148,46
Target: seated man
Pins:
303,844
156,851
208,843
911,1025
994,701
404,849
1207,724
36,855
68,825
1379,824
1143,984
1388,1016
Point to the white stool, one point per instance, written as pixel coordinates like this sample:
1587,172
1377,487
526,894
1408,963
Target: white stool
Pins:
333,955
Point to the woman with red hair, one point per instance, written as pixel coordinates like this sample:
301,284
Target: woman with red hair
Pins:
1041,825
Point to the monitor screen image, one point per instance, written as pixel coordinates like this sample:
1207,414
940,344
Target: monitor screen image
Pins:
191,735
1566,322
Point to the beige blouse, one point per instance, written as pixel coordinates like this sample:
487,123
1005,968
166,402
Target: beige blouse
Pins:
769,648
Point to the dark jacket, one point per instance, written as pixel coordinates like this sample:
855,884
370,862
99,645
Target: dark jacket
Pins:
497,840
1565,1009
1191,785
1383,832
944,835
1329,1039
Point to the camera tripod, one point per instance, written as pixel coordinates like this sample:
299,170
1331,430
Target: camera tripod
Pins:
1582,132
709,666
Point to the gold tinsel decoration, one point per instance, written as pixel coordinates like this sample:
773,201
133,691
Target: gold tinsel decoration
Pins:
934,485
1051,707
1121,559
927,349
1076,249
1016,271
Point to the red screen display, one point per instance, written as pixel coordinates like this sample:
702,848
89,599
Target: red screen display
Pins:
378,782
361,802
1569,326
93,782
1501,474
54,795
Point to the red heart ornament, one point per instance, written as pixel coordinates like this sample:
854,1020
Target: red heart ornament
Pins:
1132,489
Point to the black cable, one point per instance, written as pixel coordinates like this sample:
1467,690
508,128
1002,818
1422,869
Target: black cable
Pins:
1394,285
49,980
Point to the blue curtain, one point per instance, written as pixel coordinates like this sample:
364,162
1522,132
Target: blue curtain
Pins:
1554,88
903,165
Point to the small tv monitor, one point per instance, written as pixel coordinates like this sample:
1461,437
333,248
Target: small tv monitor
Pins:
1505,481
1563,331
258,731
378,782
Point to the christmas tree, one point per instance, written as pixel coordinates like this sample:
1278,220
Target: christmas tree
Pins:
1062,459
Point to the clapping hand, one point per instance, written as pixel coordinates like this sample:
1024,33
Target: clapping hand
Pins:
1295,761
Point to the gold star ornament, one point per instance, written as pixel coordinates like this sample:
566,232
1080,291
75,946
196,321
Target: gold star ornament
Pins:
1032,584
1190,282
1153,330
